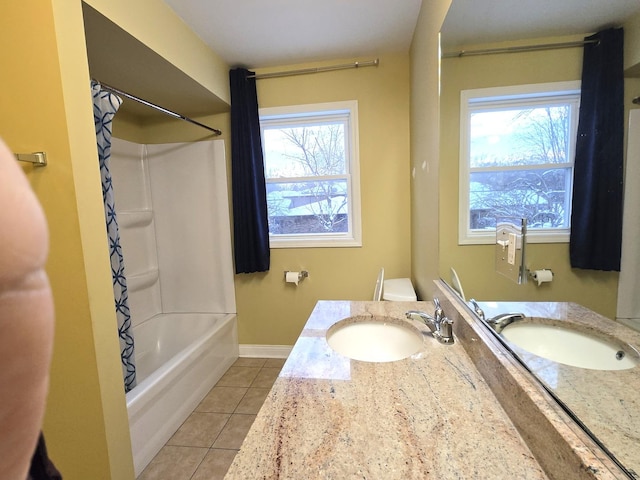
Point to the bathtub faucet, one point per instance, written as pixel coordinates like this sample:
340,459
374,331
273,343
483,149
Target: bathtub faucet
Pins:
441,327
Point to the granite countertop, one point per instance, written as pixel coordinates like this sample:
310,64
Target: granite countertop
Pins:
606,401
431,415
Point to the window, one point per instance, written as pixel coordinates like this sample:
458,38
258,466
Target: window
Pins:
312,176
517,146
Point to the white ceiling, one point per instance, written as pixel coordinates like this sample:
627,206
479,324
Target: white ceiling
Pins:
474,21
258,33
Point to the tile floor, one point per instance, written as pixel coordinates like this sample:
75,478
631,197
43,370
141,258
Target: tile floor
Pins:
206,443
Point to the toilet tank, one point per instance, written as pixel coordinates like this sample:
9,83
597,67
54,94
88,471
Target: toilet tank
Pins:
399,290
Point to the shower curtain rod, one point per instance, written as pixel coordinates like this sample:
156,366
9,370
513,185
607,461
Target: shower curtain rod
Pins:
524,48
306,71
157,107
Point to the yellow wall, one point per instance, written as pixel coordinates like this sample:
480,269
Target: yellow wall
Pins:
153,23
425,105
632,45
271,312
475,263
47,106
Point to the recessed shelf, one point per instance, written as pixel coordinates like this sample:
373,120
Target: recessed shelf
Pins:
135,218
142,280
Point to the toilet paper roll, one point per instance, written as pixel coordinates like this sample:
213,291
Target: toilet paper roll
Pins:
292,277
542,276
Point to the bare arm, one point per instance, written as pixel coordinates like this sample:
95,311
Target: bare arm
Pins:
26,319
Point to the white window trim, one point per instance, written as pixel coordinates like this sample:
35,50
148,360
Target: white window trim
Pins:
470,237
352,238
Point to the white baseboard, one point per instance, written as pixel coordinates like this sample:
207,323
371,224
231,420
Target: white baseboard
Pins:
265,351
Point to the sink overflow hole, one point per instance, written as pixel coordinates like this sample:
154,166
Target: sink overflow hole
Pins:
619,355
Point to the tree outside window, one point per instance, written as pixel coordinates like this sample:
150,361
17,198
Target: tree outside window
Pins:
309,170
517,161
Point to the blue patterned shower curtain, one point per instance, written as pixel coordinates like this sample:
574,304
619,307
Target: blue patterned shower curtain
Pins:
105,106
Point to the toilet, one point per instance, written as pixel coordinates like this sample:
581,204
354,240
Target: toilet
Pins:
398,290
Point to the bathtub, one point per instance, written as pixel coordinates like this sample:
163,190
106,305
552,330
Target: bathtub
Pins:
179,357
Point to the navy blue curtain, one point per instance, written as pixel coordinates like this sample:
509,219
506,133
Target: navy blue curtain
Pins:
250,220
596,218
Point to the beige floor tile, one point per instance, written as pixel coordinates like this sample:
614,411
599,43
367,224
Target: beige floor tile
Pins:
275,362
222,399
234,431
215,464
249,362
174,463
238,377
199,430
212,420
252,401
266,377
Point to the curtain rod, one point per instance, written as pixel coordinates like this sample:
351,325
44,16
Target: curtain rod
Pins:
524,48
157,107
306,71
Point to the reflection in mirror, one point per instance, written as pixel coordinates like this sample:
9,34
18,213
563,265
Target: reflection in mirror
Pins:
511,235
604,402
587,362
457,284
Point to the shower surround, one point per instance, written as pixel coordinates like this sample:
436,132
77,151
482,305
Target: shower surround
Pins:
173,211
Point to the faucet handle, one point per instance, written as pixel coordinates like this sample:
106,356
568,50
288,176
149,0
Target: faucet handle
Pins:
477,309
439,313
446,330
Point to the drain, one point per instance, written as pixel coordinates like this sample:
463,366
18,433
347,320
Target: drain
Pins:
619,355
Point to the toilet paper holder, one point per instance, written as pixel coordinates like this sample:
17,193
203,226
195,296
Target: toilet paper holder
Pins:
534,275
302,274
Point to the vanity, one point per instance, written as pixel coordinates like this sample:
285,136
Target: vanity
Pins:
465,410
427,416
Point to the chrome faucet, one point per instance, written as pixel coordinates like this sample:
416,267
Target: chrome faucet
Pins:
441,327
438,313
477,309
499,322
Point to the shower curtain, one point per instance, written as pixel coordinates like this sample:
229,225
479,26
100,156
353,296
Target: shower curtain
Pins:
105,106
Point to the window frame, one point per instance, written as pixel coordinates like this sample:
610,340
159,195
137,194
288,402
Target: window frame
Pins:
518,95
297,115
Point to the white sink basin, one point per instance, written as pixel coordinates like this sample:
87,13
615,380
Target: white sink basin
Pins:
570,347
374,339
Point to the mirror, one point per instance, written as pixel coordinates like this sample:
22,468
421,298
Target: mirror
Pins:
585,397
598,393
